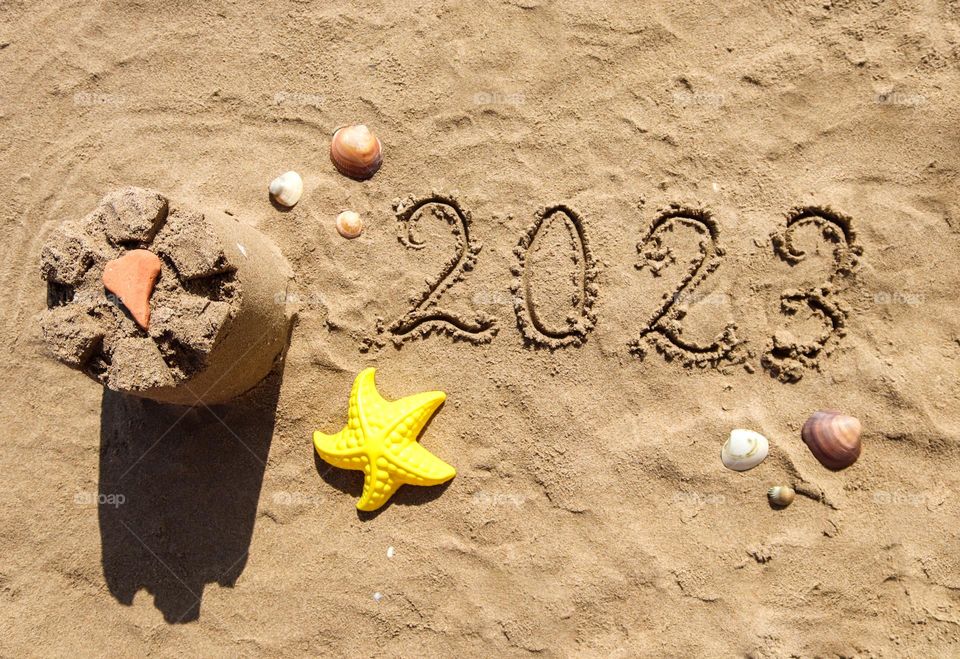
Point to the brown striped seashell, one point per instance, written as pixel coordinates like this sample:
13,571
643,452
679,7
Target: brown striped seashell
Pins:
356,152
833,438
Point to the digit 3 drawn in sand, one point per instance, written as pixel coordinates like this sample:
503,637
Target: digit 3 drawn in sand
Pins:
665,327
426,316
785,357
533,328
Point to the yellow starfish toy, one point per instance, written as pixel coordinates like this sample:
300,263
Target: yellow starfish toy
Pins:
380,439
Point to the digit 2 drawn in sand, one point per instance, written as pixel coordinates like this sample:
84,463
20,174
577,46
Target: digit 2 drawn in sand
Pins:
426,316
531,326
785,357
665,327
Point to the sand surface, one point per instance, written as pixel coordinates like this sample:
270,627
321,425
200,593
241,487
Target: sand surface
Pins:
590,515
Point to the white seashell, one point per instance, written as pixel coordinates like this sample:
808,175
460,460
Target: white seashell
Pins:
349,224
744,450
287,188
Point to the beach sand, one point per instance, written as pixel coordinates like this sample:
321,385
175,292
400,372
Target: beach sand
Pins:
590,514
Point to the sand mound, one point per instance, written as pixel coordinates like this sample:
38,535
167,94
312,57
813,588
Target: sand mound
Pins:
202,317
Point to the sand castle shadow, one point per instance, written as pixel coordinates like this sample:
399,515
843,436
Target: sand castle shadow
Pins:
185,485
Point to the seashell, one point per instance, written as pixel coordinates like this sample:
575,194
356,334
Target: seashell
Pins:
744,450
356,152
833,438
349,224
287,189
781,496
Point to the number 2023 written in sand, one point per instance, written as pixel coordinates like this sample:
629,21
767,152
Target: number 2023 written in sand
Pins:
785,357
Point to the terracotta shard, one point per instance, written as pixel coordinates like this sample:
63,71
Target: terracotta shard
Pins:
131,278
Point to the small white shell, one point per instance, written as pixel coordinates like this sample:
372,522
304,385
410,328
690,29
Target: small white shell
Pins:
744,450
287,188
349,224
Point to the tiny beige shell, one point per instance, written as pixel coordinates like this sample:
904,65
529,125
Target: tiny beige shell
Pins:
781,496
349,224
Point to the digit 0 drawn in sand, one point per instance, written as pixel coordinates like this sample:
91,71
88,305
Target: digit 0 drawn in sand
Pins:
426,316
664,329
786,357
533,328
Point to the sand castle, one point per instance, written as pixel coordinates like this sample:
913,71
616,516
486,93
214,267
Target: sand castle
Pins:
195,320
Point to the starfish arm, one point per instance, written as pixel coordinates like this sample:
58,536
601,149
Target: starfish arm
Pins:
414,411
367,406
418,466
378,487
340,450
409,416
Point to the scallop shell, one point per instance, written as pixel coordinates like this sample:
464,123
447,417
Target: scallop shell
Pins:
781,496
349,224
287,188
356,152
744,450
833,438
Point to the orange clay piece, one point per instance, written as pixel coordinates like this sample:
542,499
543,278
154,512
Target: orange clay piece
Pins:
131,278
